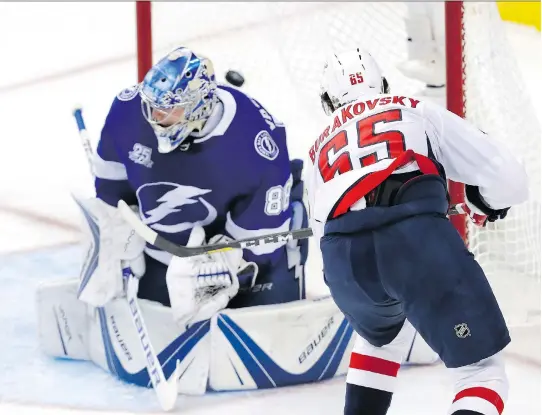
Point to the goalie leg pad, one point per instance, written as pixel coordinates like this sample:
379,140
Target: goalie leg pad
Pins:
116,345
68,328
62,320
279,345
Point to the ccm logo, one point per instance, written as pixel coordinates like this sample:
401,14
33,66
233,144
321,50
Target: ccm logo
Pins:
266,240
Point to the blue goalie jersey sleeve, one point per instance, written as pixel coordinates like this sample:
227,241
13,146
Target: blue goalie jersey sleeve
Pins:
111,177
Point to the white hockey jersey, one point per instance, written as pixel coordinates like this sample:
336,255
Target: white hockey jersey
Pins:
374,137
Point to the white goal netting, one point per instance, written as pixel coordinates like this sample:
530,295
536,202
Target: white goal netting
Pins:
280,47
497,102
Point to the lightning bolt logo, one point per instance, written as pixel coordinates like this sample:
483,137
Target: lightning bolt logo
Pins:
172,202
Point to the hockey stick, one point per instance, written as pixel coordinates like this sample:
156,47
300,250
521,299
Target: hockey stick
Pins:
83,135
166,390
182,251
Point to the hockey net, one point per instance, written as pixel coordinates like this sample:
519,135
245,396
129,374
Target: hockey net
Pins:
280,48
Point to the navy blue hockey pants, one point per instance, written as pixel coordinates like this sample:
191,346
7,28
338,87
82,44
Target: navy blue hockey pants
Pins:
385,264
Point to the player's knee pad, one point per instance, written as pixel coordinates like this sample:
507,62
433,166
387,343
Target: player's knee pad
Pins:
481,387
62,320
376,367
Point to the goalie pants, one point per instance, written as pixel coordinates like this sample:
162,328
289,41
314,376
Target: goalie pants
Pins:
385,264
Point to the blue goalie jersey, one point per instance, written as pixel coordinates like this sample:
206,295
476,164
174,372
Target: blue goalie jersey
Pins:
235,180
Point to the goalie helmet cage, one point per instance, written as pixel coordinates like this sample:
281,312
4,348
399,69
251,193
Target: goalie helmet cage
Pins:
280,48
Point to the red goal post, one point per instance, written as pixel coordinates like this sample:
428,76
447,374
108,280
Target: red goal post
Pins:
144,38
455,101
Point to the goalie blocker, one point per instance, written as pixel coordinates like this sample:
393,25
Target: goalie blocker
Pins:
235,350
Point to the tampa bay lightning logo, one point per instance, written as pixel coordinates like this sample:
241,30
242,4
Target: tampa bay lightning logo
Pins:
166,206
265,146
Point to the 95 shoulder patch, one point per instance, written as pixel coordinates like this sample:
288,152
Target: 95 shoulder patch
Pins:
128,93
265,145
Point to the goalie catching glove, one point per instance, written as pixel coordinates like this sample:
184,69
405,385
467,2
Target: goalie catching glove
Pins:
110,245
201,286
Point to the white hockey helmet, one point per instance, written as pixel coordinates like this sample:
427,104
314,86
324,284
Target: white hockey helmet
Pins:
348,76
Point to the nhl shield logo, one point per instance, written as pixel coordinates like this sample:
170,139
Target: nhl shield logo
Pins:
462,330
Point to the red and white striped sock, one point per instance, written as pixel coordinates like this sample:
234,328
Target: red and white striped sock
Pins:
481,388
372,374
477,400
370,383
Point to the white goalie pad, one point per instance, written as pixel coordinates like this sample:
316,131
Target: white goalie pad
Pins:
251,348
115,345
279,345
69,328
61,320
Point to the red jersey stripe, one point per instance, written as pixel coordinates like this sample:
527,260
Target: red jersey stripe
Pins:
367,183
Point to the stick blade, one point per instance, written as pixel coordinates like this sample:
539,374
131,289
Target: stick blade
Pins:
168,392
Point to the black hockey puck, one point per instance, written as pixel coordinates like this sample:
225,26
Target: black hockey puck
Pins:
235,78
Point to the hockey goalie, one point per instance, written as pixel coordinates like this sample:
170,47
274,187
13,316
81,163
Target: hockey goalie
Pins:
200,163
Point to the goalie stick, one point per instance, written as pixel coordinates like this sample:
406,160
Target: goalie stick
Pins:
166,390
182,251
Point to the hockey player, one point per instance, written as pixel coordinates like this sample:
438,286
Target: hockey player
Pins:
377,203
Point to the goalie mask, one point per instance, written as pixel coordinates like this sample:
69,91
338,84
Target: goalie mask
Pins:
178,95
348,76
